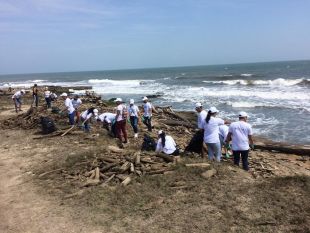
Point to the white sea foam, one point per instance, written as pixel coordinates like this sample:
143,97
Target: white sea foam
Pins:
246,75
275,82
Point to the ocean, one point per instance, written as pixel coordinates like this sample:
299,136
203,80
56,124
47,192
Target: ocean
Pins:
276,95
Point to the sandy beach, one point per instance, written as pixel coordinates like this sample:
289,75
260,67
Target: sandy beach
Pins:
48,183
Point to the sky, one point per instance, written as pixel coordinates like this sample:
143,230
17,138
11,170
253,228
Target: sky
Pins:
83,35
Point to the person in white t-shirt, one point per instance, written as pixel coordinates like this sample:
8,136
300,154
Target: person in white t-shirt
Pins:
108,120
147,113
240,133
86,117
47,96
69,107
17,99
77,102
211,134
166,144
121,118
202,115
134,114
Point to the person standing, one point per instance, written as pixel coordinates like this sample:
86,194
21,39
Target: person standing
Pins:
166,144
202,114
147,113
133,111
35,96
121,118
69,107
240,133
211,134
47,96
77,102
17,99
86,117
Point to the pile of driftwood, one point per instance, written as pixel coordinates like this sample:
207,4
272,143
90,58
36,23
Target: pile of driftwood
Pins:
116,166
28,120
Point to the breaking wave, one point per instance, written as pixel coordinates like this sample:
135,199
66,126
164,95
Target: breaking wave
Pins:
275,82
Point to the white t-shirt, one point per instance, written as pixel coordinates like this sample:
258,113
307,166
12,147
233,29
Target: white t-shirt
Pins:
86,116
76,103
240,131
201,118
68,104
120,108
223,131
147,107
169,148
17,95
47,94
133,110
211,130
107,117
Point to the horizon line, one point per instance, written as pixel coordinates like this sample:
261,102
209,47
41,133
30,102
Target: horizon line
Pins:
146,68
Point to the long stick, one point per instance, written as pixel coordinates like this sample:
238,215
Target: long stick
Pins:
67,131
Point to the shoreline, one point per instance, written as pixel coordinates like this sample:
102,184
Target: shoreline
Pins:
261,142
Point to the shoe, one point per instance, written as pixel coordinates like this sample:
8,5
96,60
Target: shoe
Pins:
125,142
136,135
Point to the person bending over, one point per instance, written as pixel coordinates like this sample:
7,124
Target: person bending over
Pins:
86,117
108,121
17,99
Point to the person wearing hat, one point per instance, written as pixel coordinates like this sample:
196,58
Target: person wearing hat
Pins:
240,133
69,107
77,102
121,118
133,112
166,144
202,114
86,117
108,120
147,113
211,134
17,99
47,96
35,96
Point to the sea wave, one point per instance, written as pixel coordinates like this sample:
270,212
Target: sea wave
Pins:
275,82
129,83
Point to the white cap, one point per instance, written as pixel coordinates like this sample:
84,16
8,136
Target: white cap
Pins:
22,91
198,105
243,114
159,132
213,110
96,112
118,100
64,94
131,101
145,98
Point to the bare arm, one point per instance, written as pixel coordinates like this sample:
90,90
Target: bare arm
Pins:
251,139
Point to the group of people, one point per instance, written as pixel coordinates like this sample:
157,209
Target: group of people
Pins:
114,122
214,132
217,134
48,96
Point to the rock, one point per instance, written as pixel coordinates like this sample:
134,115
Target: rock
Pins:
209,173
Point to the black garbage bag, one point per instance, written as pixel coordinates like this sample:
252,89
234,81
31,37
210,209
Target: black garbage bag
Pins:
195,145
148,144
48,125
